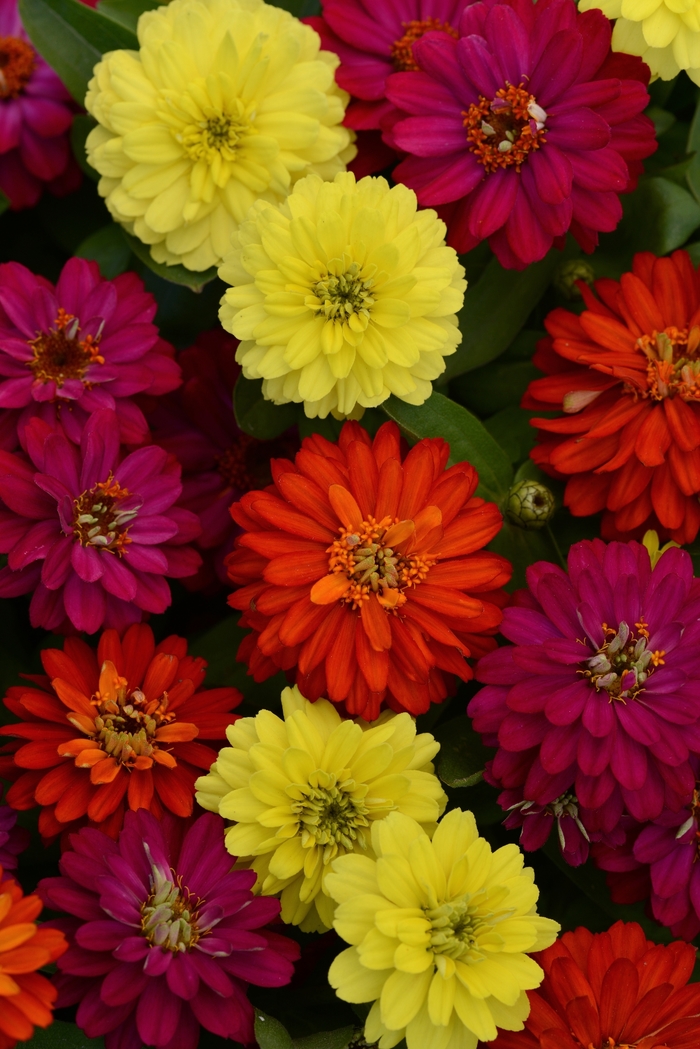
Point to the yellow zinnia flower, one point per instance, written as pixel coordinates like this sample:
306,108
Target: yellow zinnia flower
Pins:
440,932
306,790
664,33
225,103
343,295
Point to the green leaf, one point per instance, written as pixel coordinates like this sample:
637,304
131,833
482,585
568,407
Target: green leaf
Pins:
4,202
495,308
82,126
659,216
270,1034
511,429
488,390
258,417
62,1035
469,440
108,249
300,8
462,757
662,119
694,133
126,12
192,279
522,547
327,1039
72,38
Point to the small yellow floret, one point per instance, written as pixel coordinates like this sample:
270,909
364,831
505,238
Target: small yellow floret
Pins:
308,789
664,33
225,103
343,295
440,932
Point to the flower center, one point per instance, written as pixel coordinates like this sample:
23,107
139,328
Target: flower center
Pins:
693,822
455,926
98,520
623,663
60,355
126,726
369,559
233,466
672,367
502,132
169,915
345,298
216,138
17,62
330,814
402,50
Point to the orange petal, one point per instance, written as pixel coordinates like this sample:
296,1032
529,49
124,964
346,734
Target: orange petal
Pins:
346,508
329,589
376,623
83,723
140,793
104,771
14,935
87,758
110,681
72,698
160,675
654,438
77,746
164,758
178,732
398,533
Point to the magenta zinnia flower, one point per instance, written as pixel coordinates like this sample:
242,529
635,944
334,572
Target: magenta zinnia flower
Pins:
13,839
91,535
167,937
596,697
525,127
36,113
86,344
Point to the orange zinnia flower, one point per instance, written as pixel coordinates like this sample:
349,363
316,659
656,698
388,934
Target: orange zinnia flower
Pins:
358,569
26,997
627,374
113,729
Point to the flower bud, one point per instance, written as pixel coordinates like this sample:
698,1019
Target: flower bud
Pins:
567,275
529,504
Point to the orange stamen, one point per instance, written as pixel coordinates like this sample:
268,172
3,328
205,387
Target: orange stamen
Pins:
17,62
402,49
672,364
501,133
60,355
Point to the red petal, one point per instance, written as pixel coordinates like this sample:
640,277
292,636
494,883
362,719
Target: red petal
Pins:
107,798
301,620
308,497
389,488
345,506
618,997
654,438
373,664
140,793
340,661
364,477
375,623
296,569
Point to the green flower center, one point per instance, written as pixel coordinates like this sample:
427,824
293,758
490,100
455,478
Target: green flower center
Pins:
169,915
345,297
331,814
454,928
623,663
217,137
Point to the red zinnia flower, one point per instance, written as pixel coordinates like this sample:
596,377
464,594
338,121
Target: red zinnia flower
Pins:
611,990
113,729
358,569
631,396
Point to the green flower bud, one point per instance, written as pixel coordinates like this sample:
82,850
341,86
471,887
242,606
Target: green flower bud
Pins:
568,273
529,504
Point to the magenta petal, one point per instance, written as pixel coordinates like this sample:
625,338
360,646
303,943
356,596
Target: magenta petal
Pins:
84,603
124,984
157,1012
87,562
182,977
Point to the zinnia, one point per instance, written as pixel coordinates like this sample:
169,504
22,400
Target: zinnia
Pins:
166,937
596,696
441,931
86,343
523,128
613,988
26,997
358,569
36,113
13,839
112,730
343,295
664,34
91,535
225,103
307,789
626,373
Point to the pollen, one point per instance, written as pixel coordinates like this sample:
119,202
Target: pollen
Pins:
402,49
60,354
17,62
673,365
99,521
503,131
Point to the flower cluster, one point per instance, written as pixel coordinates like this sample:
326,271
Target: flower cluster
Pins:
358,569
165,937
323,782
113,729
36,113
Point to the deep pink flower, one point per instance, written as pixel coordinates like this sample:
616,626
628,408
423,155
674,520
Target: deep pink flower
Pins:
525,127
373,39
13,839
86,344
596,697
36,113
219,462
91,535
167,936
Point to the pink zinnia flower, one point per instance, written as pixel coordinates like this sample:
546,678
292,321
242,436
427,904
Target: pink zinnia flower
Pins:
13,839
525,127
167,936
219,462
596,697
86,344
36,113
374,39
91,535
